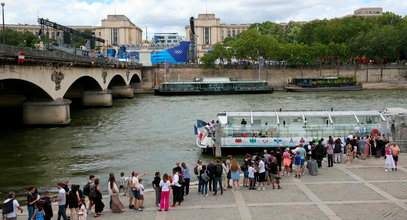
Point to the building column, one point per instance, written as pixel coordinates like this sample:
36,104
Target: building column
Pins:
97,98
47,112
122,92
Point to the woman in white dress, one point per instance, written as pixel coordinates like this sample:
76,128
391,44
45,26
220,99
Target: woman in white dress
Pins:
389,165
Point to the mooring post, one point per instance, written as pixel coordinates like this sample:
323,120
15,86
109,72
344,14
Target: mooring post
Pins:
218,138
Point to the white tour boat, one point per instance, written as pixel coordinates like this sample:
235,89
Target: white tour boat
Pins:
270,129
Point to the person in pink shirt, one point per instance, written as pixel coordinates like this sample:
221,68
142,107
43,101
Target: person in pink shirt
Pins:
287,161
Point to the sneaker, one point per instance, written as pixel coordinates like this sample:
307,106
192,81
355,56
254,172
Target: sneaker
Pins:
159,210
258,188
295,176
206,195
141,207
279,187
274,187
386,170
395,169
140,210
172,206
264,188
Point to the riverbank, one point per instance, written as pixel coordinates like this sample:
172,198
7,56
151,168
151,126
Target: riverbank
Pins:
345,191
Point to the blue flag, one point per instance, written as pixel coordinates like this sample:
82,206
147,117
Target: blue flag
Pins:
195,130
201,123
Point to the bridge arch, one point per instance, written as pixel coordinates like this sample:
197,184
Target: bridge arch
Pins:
21,87
84,83
117,80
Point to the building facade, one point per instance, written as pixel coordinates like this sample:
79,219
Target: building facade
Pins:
115,30
209,30
166,38
368,11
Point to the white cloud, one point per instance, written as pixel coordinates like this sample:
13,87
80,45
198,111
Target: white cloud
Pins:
173,15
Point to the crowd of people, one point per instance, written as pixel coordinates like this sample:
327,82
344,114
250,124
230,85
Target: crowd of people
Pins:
214,177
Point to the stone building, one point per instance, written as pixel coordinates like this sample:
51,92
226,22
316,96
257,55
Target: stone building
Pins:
115,30
209,30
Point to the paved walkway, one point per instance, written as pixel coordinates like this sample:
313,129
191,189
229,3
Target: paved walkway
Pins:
362,190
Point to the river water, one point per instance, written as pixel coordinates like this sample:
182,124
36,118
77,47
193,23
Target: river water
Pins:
147,134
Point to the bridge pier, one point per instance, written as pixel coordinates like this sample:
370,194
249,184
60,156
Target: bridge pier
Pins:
122,92
97,98
47,112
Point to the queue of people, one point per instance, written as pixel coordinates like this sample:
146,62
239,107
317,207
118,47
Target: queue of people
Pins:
215,177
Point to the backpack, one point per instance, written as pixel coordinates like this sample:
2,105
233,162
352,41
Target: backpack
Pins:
92,192
196,170
205,177
86,189
219,170
8,207
244,166
180,179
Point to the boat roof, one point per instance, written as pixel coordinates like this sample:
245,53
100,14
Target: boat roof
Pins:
216,79
304,114
213,82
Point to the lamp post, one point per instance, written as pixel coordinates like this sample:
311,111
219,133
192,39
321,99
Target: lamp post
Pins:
4,29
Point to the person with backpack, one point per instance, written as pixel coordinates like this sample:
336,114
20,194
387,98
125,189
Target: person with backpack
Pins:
86,192
197,171
245,169
337,150
10,206
217,178
203,181
176,187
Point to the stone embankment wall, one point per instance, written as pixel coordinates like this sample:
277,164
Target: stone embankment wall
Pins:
393,76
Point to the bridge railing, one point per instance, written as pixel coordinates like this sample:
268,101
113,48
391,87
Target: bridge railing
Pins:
7,51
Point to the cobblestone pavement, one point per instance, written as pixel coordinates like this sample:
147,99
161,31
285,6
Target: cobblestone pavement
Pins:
361,190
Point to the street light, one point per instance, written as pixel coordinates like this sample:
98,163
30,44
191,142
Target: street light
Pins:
4,29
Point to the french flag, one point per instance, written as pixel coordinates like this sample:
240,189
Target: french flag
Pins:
198,132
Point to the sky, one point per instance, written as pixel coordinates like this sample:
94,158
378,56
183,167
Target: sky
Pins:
173,15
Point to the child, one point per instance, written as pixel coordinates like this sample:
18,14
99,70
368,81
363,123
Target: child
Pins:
39,213
156,187
165,192
82,214
122,183
297,160
141,200
251,171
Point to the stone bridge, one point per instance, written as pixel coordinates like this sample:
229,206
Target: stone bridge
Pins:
45,87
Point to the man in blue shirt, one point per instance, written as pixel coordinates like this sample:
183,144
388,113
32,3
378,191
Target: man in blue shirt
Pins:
302,154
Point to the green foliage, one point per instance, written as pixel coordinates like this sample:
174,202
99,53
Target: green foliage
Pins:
21,39
78,41
380,38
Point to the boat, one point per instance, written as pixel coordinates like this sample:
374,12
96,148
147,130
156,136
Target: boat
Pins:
323,84
273,129
213,86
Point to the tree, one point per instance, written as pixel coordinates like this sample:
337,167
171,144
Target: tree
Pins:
21,39
270,28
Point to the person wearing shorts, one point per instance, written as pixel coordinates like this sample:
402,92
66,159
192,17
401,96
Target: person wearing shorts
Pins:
252,180
262,173
297,163
274,170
